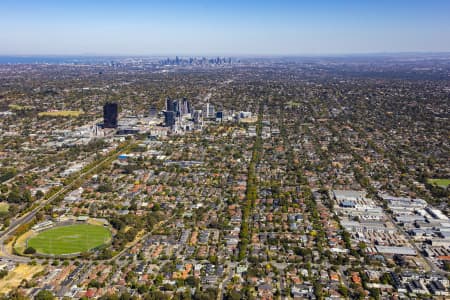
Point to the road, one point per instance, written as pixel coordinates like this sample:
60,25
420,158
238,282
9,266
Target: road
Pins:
230,273
76,278
284,292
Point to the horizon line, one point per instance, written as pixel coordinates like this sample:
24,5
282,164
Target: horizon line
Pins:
247,55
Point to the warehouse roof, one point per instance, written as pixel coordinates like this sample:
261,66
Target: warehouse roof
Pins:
396,250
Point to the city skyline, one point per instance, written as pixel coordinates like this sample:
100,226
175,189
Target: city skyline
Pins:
231,28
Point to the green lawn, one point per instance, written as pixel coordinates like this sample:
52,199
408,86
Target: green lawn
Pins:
61,113
440,182
70,239
4,207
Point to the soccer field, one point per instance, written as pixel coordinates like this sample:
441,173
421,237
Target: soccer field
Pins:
70,239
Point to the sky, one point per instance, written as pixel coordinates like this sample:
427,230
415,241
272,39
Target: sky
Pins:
217,27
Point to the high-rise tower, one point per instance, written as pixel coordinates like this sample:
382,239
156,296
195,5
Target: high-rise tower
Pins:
110,115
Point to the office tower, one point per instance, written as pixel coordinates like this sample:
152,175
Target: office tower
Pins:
176,107
205,110
169,104
208,110
169,118
110,114
189,107
197,116
185,106
153,112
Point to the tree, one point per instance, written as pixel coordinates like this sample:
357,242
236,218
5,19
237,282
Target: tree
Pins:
39,194
318,290
343,290
94,284
14,196
44,295
105,188
233,295
29,250
156,207
156,295
3,273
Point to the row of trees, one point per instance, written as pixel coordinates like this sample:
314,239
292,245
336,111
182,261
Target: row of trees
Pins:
251,193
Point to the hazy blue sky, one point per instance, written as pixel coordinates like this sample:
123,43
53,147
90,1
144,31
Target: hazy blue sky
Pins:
223,27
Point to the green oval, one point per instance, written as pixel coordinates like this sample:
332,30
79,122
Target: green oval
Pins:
70,239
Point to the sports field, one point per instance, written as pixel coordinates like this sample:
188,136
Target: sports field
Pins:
442,182
69,239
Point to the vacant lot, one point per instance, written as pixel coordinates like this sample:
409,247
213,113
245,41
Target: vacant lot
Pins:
21,242
15,277
4,207
440,182
70,239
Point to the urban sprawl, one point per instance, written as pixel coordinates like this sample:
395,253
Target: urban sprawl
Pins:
224,178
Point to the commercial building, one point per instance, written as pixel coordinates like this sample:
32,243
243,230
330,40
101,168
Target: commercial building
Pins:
110,115
396,250
169,104
153,112
169,118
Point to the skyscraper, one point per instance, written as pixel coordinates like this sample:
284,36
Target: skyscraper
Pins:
176,107
169,118
169,104
185,106
197,116
110,114
208,111
189,107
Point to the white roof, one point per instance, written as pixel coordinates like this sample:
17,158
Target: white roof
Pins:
396,250
348,194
